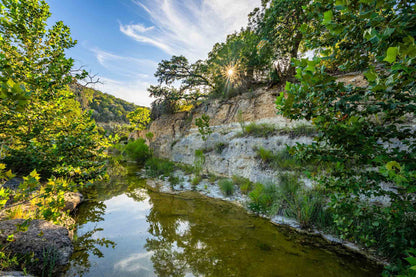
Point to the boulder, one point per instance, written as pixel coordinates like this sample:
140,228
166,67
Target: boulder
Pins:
42,238
72,200
13,184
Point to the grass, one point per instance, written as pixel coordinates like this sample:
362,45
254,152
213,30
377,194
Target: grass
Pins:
244,184
266,130
220,146
290,198
196,180
226,186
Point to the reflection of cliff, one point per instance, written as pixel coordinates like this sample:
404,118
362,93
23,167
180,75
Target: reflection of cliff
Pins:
213,238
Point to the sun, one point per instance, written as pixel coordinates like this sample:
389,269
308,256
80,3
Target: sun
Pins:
231,73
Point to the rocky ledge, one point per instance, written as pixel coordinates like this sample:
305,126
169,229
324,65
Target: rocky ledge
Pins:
48,242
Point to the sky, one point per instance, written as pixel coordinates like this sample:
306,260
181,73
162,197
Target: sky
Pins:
122,41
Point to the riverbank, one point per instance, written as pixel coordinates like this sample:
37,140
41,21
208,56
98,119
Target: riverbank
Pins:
212,190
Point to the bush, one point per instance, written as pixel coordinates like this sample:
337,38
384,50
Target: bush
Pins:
226,186
157,167
137,150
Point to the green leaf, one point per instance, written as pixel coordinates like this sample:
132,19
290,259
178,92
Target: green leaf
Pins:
391,54
327,17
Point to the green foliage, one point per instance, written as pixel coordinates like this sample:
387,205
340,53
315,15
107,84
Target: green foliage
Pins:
226,186
356,125
149,136
41,125
220,146
243,183
105,108
265,155
199,162
196,180
137,150
203,126
139,118
262,198
259,130
156,167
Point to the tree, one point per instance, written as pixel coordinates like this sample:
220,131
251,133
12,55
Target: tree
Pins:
366,132
279,23
139,118
192,79
41,126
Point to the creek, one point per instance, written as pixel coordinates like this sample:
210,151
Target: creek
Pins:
124,229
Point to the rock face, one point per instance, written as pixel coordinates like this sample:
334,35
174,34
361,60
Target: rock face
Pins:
226,152
41,237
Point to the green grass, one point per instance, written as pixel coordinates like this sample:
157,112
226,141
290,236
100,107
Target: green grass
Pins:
243,183
226,186
266,130
196,180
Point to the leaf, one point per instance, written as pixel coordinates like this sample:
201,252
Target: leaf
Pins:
371,75
391,55
327,17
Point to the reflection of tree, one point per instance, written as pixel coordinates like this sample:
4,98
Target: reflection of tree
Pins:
213,238
187,238
86,244
93,210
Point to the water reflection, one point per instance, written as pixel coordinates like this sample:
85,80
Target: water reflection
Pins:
187,235
191,235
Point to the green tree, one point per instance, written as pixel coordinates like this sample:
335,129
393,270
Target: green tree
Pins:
139,118
280,24
41,126
365,132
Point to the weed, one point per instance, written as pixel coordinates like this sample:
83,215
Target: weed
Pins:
226,186
220,146
262,198
173,180
50,255
212,178
196,180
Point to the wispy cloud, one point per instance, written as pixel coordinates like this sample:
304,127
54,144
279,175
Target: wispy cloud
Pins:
133,90
189,29
127,66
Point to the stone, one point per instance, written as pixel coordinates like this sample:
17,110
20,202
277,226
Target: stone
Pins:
14,183
40,236
72,200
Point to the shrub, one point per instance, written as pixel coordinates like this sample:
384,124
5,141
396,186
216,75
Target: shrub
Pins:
137,150
157,167
226,186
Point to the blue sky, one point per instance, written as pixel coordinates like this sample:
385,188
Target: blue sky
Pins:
123,40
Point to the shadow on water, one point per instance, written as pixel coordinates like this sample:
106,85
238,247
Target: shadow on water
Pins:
126,230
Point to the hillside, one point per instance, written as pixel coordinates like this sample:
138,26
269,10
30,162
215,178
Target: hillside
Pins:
106,108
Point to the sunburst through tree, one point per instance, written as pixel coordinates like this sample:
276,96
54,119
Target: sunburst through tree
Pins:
232,74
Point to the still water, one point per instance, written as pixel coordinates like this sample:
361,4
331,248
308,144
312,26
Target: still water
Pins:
126,230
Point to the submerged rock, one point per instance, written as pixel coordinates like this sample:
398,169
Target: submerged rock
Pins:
48,242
